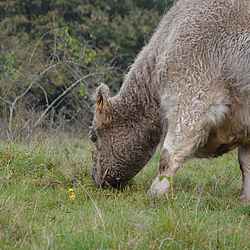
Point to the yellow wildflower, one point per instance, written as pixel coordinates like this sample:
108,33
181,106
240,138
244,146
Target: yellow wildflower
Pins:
72,196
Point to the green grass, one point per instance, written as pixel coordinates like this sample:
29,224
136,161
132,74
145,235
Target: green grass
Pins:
36,213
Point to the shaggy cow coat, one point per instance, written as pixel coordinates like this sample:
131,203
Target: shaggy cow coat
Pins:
190,87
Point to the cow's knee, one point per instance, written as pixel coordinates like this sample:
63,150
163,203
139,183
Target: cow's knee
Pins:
244,160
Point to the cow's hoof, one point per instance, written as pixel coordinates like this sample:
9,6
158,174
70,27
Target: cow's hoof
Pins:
244,200
159,187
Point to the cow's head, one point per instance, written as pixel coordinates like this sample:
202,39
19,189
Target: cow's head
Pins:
124,137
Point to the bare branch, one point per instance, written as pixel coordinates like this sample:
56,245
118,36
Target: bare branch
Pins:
5,100
60,96
12,105
45,93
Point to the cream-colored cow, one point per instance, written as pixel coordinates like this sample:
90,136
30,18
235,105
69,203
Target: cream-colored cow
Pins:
190,87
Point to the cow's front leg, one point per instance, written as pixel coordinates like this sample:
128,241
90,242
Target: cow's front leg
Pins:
244,160
183,139
172,157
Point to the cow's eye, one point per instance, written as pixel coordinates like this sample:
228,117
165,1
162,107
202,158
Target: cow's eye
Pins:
93,138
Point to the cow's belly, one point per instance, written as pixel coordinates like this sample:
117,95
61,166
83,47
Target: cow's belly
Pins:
220,142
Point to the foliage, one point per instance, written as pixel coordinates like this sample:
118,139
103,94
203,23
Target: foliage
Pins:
37,213
88,35
30,83
115,27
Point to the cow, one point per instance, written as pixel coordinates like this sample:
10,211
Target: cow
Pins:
188,88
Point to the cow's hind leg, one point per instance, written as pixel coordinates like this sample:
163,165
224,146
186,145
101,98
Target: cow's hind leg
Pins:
244,160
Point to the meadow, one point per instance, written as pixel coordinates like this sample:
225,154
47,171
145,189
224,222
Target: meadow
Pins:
48,200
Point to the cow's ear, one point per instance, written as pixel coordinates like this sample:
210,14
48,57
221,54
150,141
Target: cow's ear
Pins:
103,105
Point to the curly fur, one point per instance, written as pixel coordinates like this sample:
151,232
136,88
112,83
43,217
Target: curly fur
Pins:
189,86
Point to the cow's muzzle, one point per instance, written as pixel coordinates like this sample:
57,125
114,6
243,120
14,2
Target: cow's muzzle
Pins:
103,182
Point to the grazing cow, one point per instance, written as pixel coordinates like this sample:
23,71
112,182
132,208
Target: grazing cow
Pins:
190,87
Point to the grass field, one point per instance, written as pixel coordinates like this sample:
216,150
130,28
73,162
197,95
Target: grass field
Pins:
37,213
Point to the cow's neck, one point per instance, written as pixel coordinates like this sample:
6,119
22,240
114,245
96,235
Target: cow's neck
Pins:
139,94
